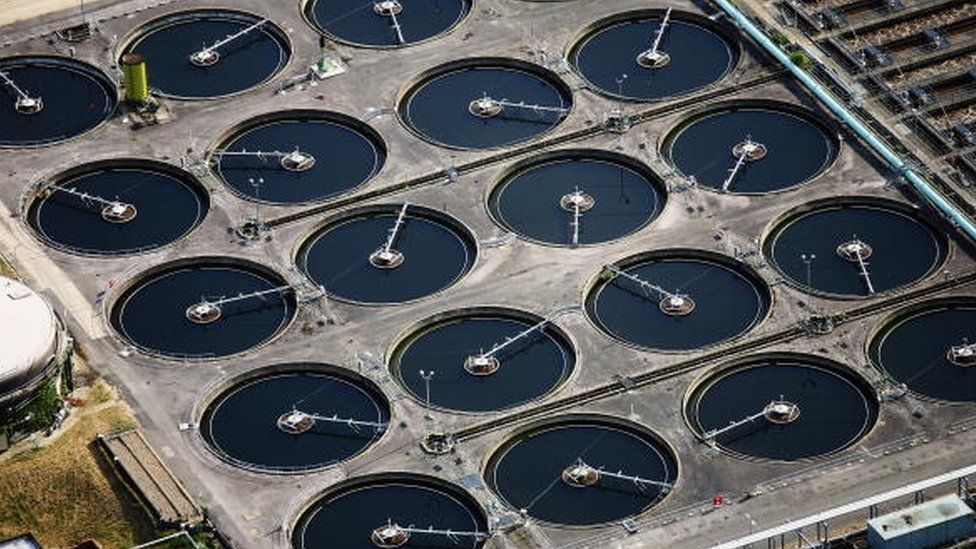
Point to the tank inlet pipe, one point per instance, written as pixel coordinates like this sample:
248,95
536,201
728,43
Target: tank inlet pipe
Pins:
209,55
745,151
483,363
962,355
655,58
297,422
392,534
386,257
24,104
670,303
777,411
581,475
489,107
207,311
390,8
857,251
113,211
576,203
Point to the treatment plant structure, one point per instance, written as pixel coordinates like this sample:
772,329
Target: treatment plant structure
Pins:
498,273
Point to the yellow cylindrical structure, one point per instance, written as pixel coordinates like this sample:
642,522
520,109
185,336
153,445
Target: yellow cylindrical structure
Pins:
136,79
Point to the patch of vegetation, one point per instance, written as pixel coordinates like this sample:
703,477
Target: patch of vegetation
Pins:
6,269
801,59
67,492
778,38
99,393
38,414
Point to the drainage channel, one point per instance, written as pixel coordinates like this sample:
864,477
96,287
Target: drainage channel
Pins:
436,177
660,374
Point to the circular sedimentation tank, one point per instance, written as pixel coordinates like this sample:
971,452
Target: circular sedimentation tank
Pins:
618,57
389,510
201,308
387,254
48,99
931,348
294,418
751,147
205,54
676,300
117,207
582,470
577,197
781,407
484,103
851,247
299,156
470,375
385,23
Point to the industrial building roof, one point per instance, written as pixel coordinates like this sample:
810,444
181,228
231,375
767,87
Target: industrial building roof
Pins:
920,517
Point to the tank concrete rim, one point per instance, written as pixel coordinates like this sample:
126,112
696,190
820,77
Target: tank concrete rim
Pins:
413,84
113,91
121,290
224,384
255,122
611,157
29,203
764,290
402,340
458,227
645,433
849,374
688,117
577,40
177,15
775,226
307,6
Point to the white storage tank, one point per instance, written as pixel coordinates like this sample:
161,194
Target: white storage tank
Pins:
32,341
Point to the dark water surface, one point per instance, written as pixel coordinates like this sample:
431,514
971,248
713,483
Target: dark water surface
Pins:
438,107
905,249
699,57
167,207
797,149
344,159
835,412
346,520
914,349
727,303
76,97
244,63
527,473
436,255
355,21
530,367
242,422
152,313
528,203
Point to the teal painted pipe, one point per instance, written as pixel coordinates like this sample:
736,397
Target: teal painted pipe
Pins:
957,218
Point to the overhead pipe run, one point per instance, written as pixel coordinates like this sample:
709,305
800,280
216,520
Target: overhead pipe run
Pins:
918,182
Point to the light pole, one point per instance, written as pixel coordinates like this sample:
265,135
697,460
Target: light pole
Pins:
427,375
256,185
620,90
807,260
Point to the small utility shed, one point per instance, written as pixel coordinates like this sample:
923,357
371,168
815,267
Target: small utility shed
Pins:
930,524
